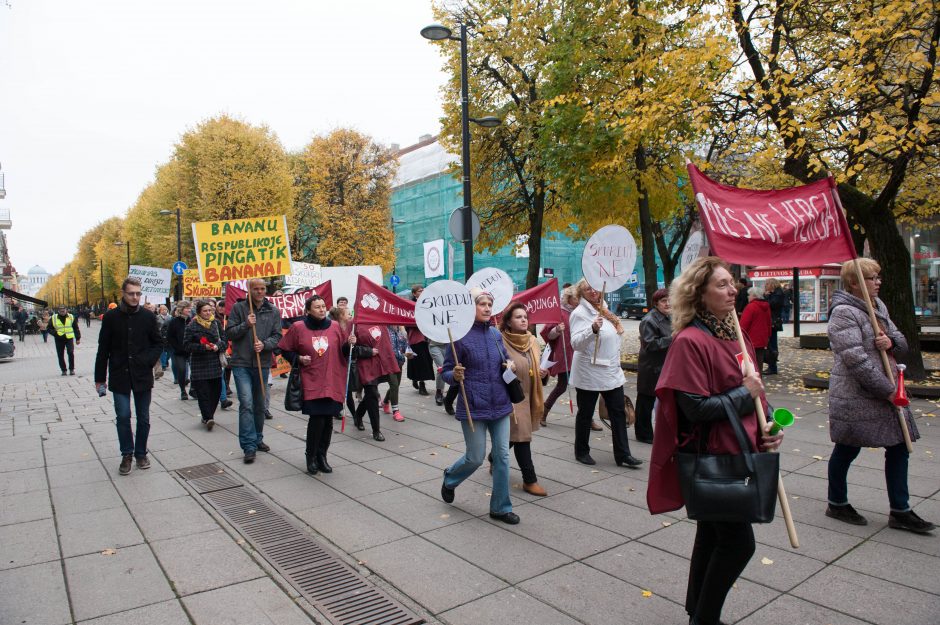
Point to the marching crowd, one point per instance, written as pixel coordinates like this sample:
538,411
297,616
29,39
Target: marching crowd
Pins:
691,382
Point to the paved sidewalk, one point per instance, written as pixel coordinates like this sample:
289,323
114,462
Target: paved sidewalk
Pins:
81,544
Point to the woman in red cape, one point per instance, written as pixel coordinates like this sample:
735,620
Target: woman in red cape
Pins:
374,368
703,363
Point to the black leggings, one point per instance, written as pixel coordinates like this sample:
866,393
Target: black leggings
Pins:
370,403
613,399
523,453
643,429
319,434
721,552
207,394
178,361
561,385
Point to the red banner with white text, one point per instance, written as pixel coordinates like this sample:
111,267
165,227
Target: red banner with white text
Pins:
290,305
376,304
796,227
542,302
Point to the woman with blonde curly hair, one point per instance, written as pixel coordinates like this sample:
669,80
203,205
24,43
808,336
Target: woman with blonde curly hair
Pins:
592,324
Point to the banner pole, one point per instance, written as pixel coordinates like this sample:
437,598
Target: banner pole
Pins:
342,425
564,350
597,339
905,432
463,391
254,334
762,422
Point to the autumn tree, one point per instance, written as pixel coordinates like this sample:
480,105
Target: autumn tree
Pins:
344,182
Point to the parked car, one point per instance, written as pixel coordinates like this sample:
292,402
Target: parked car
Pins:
632,307
7,346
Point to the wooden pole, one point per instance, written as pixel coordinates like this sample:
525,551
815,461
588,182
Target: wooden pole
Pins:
463,391
564,350
874,325
254,333
342,425
597,339
762,422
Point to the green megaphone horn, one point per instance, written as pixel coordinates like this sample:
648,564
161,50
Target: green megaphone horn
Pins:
782,418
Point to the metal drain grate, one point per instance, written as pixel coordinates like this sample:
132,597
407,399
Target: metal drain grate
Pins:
335,588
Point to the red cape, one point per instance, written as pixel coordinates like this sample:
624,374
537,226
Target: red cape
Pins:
375,336
325,376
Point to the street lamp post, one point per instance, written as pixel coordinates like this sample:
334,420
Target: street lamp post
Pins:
438,32
128,245
179,249
101,267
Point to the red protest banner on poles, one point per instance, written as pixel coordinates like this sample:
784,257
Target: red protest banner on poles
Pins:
290,305
375,304
795,227
542,302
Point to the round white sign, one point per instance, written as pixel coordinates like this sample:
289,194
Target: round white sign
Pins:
692,250
497,283
444,305
608,258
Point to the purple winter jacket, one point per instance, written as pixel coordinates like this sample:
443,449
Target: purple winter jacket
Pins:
482,354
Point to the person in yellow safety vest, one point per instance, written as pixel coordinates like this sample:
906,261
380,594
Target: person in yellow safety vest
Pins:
66,334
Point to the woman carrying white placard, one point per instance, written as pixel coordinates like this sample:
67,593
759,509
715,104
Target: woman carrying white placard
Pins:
595,329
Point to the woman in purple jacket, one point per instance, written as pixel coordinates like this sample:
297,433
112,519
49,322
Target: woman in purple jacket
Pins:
482,359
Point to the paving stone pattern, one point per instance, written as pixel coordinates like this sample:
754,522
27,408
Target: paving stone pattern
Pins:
81,544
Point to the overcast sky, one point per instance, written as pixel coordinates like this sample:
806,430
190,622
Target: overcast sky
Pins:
95,94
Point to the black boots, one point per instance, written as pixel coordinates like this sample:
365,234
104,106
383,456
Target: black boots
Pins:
316,463
312,467
323,465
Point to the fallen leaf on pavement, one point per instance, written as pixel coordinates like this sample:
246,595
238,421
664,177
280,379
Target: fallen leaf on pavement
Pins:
766,560
108,552
647,593
667,523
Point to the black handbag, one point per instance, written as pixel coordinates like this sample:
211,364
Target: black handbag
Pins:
737,488
294,395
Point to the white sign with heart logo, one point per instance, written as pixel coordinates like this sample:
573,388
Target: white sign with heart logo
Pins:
321,344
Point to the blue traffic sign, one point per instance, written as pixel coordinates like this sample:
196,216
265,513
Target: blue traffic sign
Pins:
394,280
179,267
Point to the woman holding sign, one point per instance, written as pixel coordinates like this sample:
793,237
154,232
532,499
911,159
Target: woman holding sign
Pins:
479,365
595,370
320,347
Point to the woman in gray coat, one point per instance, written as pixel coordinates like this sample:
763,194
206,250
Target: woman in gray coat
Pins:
655,338
861,412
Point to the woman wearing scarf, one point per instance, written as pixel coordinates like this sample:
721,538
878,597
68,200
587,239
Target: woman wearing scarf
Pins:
320,346
523,350
203,342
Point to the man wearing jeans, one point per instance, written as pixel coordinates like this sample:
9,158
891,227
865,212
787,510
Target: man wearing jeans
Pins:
129,345
254,332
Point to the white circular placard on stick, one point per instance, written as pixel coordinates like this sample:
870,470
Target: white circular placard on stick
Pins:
445,305
497,283
608,258
695,247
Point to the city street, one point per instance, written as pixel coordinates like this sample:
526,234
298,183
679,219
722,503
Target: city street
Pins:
81,544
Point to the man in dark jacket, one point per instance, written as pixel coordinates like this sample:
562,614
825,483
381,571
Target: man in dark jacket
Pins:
20,317
254,328
655,338
129,345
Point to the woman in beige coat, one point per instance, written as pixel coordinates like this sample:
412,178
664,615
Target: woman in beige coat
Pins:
523,349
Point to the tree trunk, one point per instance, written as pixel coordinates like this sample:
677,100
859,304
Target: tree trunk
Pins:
646,227
536,217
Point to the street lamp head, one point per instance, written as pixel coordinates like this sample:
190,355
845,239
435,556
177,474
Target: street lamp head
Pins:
399,221
436,32
119,243
487,122
166,212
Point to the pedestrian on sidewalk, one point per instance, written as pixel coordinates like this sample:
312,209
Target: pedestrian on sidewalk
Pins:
700,376
43,323
558,337
421,366
480,368
861,411
773,293
399,344
375,364
164,318
66,335
655,338
757,323
523,350
175,340
592,324
20,317
128,346
253,335
320,347
203,341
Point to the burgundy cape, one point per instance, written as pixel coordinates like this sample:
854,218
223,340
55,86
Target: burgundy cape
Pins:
414,335
558,353
325,376
375,336
701,364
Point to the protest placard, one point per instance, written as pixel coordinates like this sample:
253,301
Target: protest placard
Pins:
237,249
154,282
303,274
194,288
497,283
608,258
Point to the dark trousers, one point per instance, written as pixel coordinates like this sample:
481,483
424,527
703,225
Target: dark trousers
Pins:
523,453
370,404
561,385
721,552
21,331
643,428
772,348
759,354
207,394
319,435
452,392
394,382
61,347
896,458
587,400
179,362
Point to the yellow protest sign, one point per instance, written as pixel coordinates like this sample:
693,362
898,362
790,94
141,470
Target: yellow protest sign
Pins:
193,287
238,249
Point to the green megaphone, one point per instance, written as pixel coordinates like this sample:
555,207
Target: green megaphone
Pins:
782,418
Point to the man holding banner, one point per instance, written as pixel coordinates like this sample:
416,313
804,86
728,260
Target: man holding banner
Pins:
254,328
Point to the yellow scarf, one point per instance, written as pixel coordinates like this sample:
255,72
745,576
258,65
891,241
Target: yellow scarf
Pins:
523,343
206,323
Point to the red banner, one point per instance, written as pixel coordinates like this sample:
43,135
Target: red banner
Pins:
542,302
290,305
796,227
376,304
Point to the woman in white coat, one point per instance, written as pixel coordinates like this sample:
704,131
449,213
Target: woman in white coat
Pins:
601,376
